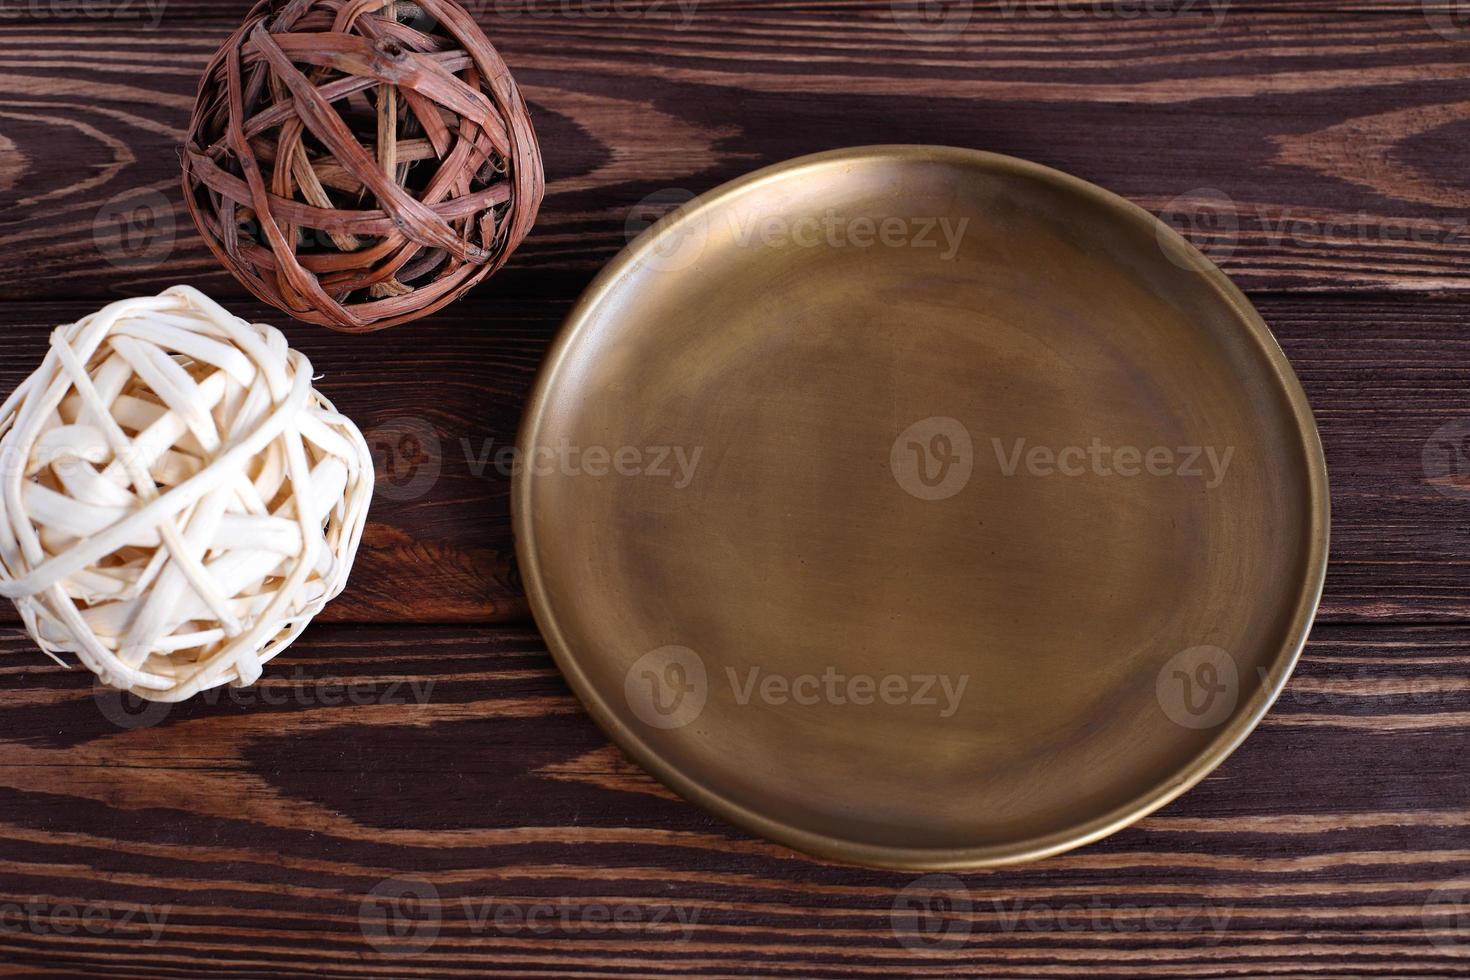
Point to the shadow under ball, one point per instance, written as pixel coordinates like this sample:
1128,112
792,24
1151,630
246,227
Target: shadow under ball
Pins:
360,164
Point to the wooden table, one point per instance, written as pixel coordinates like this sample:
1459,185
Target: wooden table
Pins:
412,791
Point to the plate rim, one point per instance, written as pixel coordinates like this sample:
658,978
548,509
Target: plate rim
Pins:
827,847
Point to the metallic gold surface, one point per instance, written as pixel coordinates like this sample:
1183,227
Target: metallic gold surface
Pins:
920,507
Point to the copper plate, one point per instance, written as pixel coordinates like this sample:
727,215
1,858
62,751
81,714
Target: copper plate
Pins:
920,507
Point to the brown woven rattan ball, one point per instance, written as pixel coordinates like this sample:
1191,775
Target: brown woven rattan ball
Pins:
361,164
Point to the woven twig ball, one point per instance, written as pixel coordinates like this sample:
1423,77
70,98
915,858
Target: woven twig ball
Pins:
176,500
360,164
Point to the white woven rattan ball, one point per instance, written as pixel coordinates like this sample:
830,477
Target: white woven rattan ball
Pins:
176,501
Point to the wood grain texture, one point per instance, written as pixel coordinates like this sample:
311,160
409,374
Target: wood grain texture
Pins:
255,826
441,402
1306,149
1318,146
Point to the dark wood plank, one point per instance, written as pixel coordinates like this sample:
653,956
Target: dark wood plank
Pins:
1330,144
275,830
954,17
258,827
436,404
440,402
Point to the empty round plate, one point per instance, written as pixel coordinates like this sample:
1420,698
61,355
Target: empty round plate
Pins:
920,507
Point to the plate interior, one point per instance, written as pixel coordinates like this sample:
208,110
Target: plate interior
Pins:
936,416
